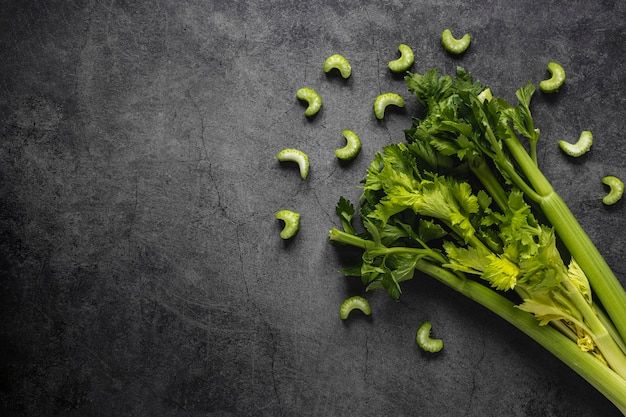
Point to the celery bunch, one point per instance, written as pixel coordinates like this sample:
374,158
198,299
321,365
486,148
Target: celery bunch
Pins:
464,201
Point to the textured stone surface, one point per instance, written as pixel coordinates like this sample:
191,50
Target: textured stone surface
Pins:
141,269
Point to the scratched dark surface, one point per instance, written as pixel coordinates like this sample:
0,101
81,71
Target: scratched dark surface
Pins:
141,269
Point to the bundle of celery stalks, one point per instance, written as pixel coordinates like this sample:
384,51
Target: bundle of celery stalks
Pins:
463,200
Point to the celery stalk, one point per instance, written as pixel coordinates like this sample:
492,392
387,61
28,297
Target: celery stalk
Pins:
606,381
605,284
596,373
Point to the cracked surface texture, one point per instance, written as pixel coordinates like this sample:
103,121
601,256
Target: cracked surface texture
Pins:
142,271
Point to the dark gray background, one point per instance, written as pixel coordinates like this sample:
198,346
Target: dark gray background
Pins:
142,272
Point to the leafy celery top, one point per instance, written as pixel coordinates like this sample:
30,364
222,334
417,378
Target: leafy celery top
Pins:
464,201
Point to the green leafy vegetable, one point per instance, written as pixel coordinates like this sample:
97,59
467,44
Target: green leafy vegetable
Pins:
616,189
354,303
291,221
556,80
352,147
340,63
425,342
581,147
464,201
407,58
453,45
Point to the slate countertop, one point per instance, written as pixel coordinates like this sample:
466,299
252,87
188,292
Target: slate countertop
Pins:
141,269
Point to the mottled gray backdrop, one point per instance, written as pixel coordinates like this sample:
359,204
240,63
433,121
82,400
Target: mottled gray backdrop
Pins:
141,269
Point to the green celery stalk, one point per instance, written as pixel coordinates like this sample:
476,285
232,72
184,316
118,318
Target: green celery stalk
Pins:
605,284
601,377
595,372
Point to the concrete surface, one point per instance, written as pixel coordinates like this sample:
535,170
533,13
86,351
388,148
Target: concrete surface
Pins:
142,273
